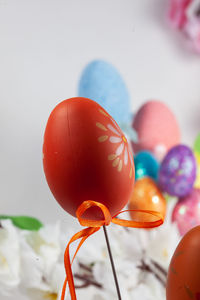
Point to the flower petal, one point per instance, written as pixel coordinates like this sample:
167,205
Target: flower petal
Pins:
120,166
115,162
102,138
101,126
131,173
120,149
125,156
130,154
114,130
103,112
112,156
115,139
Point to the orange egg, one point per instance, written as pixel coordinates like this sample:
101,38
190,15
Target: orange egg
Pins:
183,282
146,196
87,157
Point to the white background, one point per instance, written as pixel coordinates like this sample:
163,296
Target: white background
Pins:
44,45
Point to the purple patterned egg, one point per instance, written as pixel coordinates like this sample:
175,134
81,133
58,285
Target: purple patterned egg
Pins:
178,171
186,212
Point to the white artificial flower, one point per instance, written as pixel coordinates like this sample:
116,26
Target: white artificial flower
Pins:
42,271
46,244
163,240
142,292
92,293
9,257
36,294
162,244
36,261
94,249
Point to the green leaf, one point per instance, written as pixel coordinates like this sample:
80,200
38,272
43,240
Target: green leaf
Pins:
23,222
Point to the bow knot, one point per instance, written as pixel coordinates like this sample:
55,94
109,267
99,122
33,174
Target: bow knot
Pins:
93,223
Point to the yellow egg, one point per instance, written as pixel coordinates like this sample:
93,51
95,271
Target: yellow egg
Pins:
197,182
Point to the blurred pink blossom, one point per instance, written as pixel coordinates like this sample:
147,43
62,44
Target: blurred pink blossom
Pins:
184,15
177,12
192,31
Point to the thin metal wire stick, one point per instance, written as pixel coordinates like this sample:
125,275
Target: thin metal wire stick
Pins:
112,263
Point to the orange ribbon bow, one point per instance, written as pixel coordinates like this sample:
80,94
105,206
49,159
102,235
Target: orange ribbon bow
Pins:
94,226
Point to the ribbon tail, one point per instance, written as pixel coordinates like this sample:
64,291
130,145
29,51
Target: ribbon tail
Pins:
139,224
83,235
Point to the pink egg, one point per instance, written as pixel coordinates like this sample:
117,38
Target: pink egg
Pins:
186,212
157,128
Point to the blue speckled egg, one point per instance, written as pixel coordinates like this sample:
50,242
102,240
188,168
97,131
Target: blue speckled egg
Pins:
146,165
178,171
100,81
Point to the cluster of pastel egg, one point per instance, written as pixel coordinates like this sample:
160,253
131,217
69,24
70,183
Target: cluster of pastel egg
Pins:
172,166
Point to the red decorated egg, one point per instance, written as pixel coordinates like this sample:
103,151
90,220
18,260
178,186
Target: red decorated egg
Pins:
87,157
